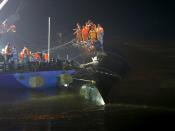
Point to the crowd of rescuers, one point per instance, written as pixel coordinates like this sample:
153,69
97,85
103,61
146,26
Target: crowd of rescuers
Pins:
26,58
89,35
10,53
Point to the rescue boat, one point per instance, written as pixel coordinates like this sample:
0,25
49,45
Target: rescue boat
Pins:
100,71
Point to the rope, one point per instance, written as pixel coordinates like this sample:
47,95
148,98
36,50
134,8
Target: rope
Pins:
110,73
60,46
77,56
118,56
83,80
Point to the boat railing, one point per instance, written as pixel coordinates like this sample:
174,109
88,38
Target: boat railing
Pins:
36,66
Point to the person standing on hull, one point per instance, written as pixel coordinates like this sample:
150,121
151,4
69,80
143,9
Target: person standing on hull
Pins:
93,36
85,32
100,35
78,33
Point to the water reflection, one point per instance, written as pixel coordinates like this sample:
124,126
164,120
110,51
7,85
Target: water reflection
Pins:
68,111
65,111
108,118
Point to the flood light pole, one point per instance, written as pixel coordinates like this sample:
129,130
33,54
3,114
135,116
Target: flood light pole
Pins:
49,40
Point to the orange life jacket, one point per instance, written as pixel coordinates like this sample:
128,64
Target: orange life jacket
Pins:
93,35
37,56
46,57
85,32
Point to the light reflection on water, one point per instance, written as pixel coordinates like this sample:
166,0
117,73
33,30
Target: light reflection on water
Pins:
43,111
68,111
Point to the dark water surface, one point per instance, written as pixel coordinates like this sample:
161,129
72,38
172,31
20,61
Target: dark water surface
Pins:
68,112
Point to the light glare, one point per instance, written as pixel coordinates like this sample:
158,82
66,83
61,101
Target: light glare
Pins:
3,3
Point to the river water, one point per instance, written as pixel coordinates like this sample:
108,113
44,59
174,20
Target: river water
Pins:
68,112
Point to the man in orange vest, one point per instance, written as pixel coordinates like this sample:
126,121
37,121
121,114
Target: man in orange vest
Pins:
93,35
46,57
85,33
37,56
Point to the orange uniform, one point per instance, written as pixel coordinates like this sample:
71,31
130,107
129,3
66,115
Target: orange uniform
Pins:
85,33
37,56
93,36
46,57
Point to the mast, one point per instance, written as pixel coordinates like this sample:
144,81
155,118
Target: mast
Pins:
49,39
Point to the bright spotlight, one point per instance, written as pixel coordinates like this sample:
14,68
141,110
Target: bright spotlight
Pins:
66,85
3,3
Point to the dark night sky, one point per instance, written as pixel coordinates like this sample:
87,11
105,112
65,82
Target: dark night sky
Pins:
122,20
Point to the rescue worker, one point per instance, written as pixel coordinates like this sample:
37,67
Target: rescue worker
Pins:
15,57
93,35
37,57
31,58
85,33
78,33
26,53
8,53
89,24
46,57
100,34
26,59
22,57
